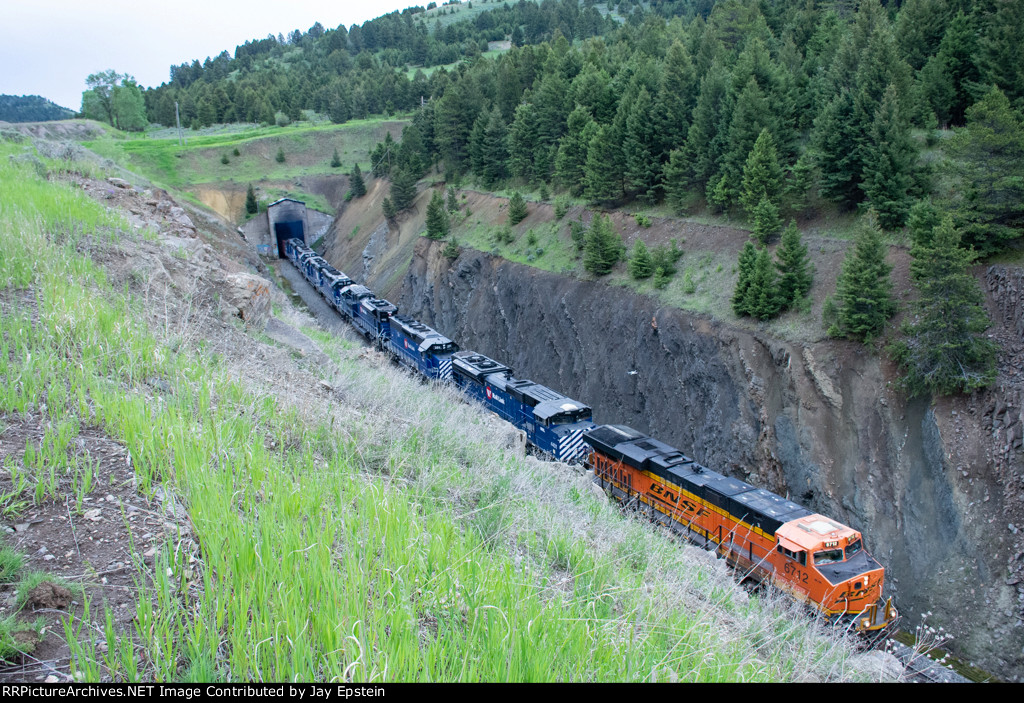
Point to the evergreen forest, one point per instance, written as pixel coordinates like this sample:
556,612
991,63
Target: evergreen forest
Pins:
909,112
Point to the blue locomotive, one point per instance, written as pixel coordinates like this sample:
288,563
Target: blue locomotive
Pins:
553,423
421,348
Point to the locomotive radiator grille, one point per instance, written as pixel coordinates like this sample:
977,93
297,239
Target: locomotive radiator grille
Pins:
444,370
571,446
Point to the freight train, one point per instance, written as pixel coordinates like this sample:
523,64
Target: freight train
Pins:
769,538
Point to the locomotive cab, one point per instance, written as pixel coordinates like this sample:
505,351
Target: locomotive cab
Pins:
820,560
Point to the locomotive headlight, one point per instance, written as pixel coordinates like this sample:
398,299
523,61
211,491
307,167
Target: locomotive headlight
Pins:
867,580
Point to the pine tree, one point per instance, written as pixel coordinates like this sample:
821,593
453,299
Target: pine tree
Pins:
766,220
951,75
604,167
639,146
943,350
745,264
437,218
835,141
924,217
453,201
389,209
762,175
988,203
675,182
493,152
356,182
800,182
720,193
750,117
888,163
571,162
251,205
335,160
280,155
516,209
705,140
403,189
863,291
602,246
793,266
640,264
761,299
522,142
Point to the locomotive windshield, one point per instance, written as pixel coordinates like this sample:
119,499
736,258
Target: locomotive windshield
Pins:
853,548
570,416
829,556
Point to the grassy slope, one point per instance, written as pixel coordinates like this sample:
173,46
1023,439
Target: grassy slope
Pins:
373,539
308,150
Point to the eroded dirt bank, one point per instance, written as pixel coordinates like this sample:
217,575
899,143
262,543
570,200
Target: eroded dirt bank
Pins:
936,487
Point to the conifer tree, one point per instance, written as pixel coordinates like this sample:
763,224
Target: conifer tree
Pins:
863,291
745,264
924,217
604,167
476,143
335,160
517,211
751,115
761,299
675,181
389,209
453,201
720,193
793,266
888,162
762,175
437,218
493,152
403,189
571,161
766,220
640,263
356,182
835,140
251,205
602,246
800,182
950,77
944,350
639,146
705,141
280,155
988,202
522,142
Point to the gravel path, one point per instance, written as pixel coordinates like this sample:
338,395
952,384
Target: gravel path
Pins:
318,307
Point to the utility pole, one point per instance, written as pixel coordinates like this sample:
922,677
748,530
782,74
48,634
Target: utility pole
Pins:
177,119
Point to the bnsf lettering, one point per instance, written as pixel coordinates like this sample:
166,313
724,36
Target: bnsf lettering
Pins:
853,595
663,493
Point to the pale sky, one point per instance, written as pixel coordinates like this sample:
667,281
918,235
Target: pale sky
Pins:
48,47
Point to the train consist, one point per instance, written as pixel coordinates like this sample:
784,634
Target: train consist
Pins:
816,559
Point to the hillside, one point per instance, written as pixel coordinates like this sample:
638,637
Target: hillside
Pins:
31,108
170,421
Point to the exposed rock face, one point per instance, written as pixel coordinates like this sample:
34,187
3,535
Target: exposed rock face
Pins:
250,296
936,488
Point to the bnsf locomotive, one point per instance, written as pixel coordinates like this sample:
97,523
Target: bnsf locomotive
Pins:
814,558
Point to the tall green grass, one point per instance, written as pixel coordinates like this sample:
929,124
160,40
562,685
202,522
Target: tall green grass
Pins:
381,532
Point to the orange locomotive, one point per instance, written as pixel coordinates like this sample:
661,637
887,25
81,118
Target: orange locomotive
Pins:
810,556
